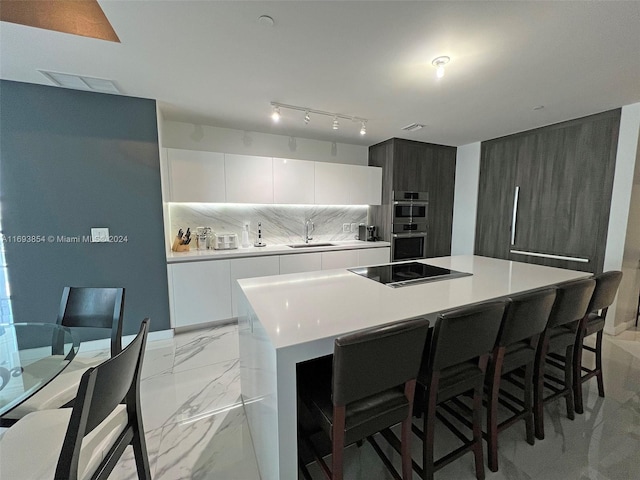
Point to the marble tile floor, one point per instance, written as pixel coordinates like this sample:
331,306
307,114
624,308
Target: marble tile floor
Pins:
196,428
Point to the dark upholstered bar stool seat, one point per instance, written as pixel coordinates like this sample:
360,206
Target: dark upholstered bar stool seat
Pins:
368,386
455,364
525,318
570,306
607,284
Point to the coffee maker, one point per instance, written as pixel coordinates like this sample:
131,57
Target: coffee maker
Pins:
367,233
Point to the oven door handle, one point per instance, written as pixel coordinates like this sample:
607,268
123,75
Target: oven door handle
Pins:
409,235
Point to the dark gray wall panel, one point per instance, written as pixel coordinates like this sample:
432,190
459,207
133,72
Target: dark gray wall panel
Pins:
69,161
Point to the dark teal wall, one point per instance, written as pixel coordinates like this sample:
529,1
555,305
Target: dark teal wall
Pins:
69,161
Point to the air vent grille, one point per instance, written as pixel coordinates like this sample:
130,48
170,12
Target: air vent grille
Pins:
79,82
412,127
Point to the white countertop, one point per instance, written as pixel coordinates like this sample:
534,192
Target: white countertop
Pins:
305,307
200,255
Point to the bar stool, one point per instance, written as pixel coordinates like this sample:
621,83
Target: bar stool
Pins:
369,387
455,364
559,337
525,318
607,284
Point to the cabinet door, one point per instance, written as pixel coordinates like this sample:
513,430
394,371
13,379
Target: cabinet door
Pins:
411,166
565,192
201,292
374,256
196,176
332,183
249,179
441,188
496,189
250,268
366,185
302,262
293,181
339,259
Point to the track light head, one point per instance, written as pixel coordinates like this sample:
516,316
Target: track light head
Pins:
307,118
363,129
275,115
336,125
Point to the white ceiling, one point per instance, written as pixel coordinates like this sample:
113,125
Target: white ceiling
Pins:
212,62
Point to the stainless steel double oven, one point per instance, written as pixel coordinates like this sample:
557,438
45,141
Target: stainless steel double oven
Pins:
409,225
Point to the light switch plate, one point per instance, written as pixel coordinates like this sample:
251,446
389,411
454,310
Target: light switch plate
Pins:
345,228
99,235
354,227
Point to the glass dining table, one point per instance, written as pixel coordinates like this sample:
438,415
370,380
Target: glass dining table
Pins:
31,355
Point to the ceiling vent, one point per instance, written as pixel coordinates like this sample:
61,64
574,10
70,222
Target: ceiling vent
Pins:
412,127
78,82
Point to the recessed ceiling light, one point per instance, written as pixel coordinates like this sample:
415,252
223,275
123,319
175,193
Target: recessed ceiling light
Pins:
266,20
439,63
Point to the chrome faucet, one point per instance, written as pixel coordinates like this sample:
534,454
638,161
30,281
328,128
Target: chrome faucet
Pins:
309,227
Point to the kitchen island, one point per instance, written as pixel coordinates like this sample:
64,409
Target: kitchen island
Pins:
287,319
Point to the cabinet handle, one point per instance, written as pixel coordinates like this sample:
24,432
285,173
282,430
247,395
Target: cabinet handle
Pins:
515,215
549,255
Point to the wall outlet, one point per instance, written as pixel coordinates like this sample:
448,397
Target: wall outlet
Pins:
354,227
99,235
346,228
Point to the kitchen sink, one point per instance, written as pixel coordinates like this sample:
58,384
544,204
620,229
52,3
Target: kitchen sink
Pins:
307,245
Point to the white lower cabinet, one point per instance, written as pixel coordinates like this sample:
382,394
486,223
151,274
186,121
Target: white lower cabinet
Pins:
339,259
208,291
250,268
201,292
304,262
373,256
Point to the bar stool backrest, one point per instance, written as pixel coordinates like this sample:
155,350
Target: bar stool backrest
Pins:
377,359
572,301
465,333
607,284
527,315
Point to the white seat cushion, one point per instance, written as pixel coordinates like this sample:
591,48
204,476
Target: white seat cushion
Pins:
30,449
57,393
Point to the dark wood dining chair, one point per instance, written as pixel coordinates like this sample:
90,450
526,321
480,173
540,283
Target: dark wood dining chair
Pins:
80,308
368,386
558,340
86,441
515,349
454,364
607,284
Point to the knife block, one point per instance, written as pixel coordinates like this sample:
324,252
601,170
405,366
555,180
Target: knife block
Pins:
178,247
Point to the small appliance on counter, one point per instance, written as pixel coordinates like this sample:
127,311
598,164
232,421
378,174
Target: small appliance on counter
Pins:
225,241
245,235
367,233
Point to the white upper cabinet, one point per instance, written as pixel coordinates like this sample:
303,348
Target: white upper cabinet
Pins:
367,185
341,184
196,176
332,183
293,181
249,179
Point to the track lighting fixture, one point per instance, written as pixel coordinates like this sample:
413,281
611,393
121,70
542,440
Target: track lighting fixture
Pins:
439,63
275,115
308,111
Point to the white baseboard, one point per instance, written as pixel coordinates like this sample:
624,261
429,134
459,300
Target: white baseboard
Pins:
105,343
618,329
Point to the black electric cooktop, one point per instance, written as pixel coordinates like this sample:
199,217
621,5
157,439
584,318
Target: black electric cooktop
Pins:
405,274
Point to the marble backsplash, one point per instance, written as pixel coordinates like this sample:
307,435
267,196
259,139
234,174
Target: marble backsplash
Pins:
281,224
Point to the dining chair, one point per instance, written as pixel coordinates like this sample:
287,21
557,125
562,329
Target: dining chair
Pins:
525,318
607,284
80,307
367,386
86,441
456,364
558,339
